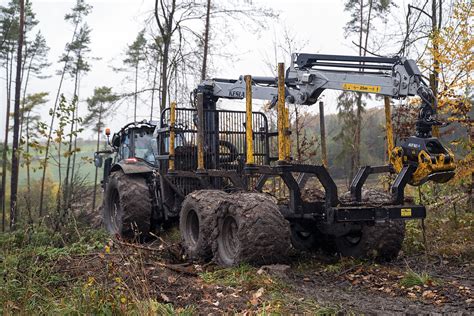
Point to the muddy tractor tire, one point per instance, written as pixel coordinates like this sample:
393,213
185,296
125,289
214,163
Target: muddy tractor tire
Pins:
250,228
303,239
378,242
197,221
381,242
127,206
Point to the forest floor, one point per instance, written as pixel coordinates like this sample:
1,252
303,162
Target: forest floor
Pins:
84,271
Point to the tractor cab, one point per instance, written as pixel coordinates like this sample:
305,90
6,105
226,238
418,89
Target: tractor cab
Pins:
134,141
132,150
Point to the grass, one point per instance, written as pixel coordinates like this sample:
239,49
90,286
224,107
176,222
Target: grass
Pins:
244,276
413,278
33,281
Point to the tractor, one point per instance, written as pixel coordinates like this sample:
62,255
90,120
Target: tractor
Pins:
209,170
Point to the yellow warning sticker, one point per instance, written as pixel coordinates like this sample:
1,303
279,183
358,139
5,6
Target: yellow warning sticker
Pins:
361,88
406,212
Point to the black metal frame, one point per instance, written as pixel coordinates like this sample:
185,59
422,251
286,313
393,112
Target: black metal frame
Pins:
295,176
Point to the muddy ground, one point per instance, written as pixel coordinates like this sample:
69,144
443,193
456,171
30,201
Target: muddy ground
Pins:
307,283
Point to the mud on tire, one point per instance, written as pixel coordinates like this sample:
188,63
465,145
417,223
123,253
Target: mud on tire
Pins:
127,206
198,220
250,228
380,242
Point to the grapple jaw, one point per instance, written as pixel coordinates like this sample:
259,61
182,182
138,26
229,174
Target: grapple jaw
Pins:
433,161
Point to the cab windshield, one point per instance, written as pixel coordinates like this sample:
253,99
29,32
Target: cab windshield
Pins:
143,145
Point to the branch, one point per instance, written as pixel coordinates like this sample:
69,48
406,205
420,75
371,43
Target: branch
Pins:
366,50
421,10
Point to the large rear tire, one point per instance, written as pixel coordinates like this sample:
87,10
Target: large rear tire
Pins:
379,242
198,220
250,228
127,206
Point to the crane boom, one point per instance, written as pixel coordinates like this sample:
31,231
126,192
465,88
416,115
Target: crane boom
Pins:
310,74
398,77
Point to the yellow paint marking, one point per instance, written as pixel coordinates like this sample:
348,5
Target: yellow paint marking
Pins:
406,212
361,88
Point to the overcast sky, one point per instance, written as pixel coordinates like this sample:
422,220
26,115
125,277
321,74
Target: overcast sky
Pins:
115,24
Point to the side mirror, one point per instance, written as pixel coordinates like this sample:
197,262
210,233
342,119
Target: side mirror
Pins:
98,160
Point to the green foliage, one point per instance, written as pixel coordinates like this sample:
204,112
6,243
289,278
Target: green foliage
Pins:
32,282
413,242
243,275
412,278
32,262
99,107
136,52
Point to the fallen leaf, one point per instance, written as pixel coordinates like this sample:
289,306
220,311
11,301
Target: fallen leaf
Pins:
256,296
165,298
428,294
411,295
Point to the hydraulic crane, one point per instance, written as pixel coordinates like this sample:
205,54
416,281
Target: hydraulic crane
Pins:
420,158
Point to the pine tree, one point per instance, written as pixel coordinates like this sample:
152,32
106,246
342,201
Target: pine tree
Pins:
135,55
99,107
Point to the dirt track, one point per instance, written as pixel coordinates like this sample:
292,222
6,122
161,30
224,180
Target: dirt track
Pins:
310,284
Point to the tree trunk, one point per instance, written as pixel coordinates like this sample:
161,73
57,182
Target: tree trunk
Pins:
16,124
166,31
471,190
28,163
5,148
96,168
164,76
73,168
434,76
153,90
28,70
136,91
206,41
67,181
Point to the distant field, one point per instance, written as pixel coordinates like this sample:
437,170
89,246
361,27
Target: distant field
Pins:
85,168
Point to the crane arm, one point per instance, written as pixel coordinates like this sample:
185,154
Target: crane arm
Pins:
310,74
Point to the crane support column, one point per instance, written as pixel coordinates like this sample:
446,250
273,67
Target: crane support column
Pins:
200,131
282,132
248,121
172,136
322,127
287,134
388,127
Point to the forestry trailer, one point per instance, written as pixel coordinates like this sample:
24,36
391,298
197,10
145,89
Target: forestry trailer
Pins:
211,169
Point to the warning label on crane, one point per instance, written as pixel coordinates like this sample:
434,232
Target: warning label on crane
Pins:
361,88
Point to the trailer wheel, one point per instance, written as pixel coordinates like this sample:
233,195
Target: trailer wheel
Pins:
197,222
127,206
304,240
379,242
251,229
